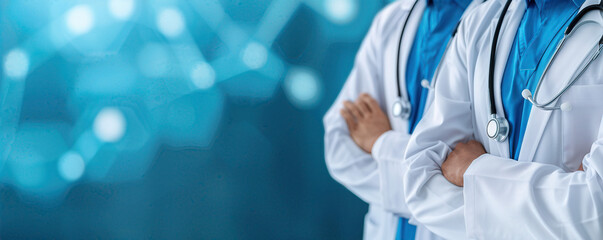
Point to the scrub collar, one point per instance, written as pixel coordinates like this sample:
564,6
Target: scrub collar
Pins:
545,7
541,3
461,3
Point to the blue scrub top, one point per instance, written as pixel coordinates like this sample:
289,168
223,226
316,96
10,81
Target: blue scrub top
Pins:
435,29
539,32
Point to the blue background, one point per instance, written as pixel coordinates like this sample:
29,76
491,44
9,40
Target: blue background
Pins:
174,119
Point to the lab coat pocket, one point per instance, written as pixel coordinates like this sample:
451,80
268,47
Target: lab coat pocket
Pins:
375,223
580,125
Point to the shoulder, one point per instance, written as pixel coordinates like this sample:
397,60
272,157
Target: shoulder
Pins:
391,17
392,9
478,20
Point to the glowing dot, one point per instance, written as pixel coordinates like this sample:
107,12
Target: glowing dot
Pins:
80,19
341,11
203,75
71,166
109,125
255,55
121,9
170,22
16,64
303,87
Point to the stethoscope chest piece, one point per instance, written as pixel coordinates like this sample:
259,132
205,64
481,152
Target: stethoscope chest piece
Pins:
497,128
401,109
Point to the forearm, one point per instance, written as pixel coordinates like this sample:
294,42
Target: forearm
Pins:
433,201
347,163
552,203
352,167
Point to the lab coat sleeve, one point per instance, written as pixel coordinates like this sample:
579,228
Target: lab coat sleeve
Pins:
506,199
433,200
349,165
388,151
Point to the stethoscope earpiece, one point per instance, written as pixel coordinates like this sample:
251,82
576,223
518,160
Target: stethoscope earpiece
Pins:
425,84
526,94
566,107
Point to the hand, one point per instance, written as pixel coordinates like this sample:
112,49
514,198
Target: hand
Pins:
366,121
459,159
581,168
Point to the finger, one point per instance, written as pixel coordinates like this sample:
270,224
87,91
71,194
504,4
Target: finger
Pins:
459,145
476,144
365,100
450,155
349,119
444,169
362,106
372,102
374,106
353,109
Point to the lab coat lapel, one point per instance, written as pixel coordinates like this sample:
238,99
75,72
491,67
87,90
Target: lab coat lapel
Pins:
431,91
569,59
408,38
407,5
473,5
505,42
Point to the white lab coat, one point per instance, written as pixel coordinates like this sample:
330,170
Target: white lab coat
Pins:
377,178
540,196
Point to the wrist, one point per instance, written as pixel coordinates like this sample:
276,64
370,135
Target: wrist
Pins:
378,143
467,165
474,165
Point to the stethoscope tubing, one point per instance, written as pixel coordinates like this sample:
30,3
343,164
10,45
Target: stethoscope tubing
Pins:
545,105
500,123
493,57
398,84
568,32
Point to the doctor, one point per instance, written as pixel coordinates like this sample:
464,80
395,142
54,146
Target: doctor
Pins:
364,145
522,106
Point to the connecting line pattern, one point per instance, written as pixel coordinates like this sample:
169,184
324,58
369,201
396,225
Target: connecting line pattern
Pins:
247,52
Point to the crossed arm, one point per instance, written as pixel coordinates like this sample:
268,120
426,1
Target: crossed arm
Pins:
457,190
363,157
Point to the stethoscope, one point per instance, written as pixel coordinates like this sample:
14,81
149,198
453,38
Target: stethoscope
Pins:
498,127
401,107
